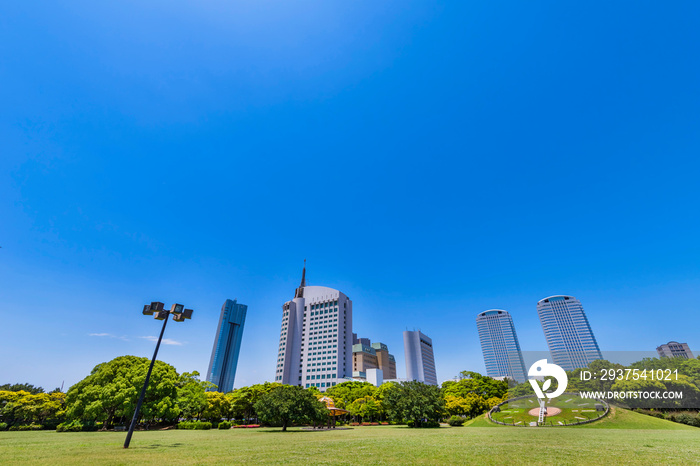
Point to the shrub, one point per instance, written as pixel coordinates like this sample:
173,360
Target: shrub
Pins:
194,425
686,418
224,425
3,426
410,424
72,426
456,421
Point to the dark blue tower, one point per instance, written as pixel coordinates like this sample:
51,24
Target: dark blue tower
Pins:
227,346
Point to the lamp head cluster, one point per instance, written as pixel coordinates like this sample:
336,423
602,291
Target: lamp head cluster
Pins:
156,310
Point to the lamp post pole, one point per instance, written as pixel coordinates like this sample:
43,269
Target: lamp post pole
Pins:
160,314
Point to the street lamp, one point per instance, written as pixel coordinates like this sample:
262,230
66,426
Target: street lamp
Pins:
155,309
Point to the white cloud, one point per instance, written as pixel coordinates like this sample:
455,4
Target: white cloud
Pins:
165,341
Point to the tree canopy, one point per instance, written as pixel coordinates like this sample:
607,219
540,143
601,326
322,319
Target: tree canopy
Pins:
287,404
111,390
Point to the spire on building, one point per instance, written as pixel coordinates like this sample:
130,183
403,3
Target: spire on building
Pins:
300,291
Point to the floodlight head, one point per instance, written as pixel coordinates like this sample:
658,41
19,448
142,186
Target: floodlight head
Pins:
161,315
178,317
187,313
156,306
177,308
147,311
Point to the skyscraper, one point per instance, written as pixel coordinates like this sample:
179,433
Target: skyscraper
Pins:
420,362
673,349
315,347
499,344
227,346
568,333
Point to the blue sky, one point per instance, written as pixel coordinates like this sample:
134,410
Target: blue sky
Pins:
431,160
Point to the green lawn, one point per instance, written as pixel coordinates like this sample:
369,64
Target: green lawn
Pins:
624,437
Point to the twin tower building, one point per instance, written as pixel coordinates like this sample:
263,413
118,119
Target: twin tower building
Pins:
566,329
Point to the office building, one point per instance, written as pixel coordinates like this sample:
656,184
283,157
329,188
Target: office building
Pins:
367,355
568,333
673,349
227,346
315,347
500,346
420,362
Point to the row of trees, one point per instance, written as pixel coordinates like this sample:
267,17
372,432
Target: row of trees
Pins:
108,395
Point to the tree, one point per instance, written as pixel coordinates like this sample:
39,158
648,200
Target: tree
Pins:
287,404
345,393
111,390
243,400
217,406
23,407
191,396
366,407
473,382
414,401
21,387
470,405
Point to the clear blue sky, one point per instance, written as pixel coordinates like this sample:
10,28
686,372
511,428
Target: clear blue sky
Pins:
432,160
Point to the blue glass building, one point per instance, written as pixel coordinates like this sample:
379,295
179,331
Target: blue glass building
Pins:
568,333
227,346
500,346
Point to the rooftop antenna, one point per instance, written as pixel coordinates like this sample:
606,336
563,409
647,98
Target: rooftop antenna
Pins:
300,291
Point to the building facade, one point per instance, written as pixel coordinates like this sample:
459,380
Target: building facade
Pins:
367,355
420,361
568,333
227,345
500,346
315,347
673,349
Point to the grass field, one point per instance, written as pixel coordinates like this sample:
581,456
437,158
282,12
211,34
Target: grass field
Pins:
623,437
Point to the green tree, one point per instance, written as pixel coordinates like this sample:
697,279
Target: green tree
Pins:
21,387
473,382
190,394
288,404
217,406
414,401
111,390
345,393
243,400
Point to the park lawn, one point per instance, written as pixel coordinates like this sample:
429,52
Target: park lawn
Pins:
674,444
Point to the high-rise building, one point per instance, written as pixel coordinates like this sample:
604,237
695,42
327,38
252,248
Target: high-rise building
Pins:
500,346
568,333
227,346
420,362
315,347
367,355
673,349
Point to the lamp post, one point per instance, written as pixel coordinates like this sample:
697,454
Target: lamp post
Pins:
156,310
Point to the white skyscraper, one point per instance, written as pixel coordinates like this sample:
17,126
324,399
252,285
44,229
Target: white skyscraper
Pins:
568,333
315,347
500,346
420,362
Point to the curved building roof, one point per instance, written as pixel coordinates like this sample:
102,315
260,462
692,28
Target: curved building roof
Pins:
491,312
544,300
